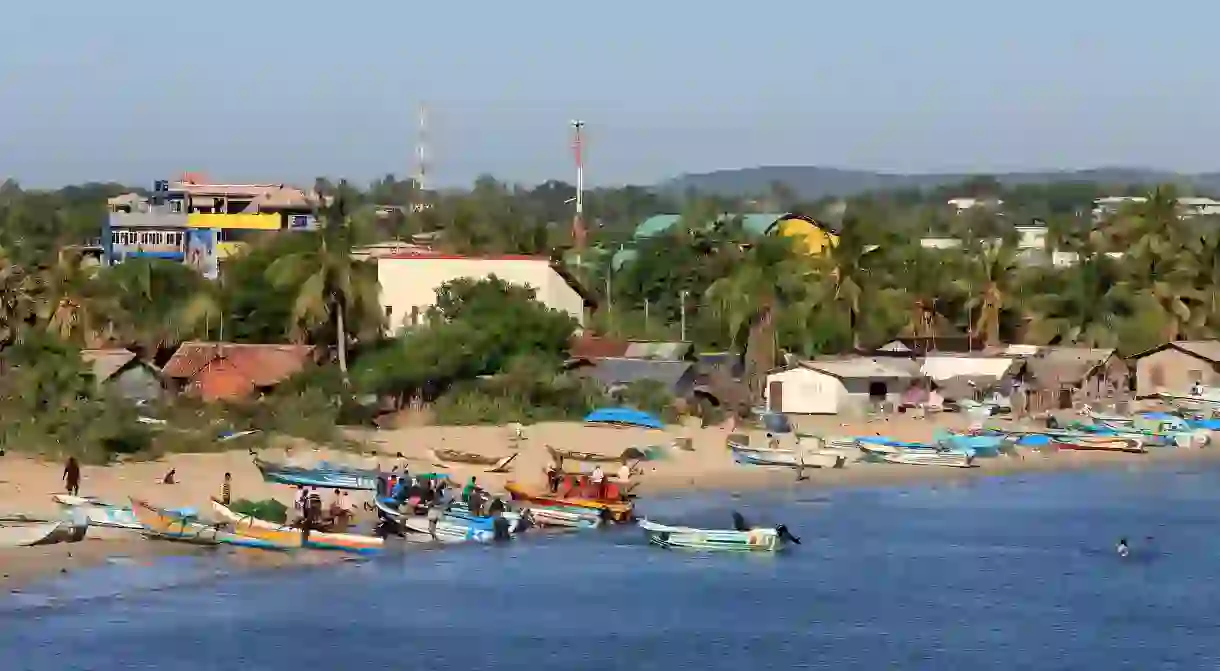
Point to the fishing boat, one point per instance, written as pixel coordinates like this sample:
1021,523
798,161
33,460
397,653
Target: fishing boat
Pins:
416,527
99,513
619,511
1099,443
593,457
759,456
253,527
917,456
755,540
459,513
328,476
161,523
17,533
564,516
626,417
447,457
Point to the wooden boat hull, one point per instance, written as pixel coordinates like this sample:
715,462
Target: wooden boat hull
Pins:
619,511
161,523
1100,443
712,540
449,457
328,478
593,457
890,455
317,540
790,458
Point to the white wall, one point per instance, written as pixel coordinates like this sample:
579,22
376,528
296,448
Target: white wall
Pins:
411,282
807,392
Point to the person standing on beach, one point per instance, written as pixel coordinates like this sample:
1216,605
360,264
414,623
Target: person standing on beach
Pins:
72,476
226,489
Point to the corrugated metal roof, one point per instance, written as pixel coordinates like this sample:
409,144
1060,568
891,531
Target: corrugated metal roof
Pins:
659,223
940,367
263,365
612,371
856,368
106,362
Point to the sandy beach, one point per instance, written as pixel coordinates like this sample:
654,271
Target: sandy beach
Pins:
27,485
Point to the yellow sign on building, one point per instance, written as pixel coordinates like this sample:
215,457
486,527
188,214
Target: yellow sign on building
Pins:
255,222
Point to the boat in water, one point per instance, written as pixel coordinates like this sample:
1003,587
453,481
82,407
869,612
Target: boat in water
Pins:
166,524
755,540
324,475
614,507
415,528
248,525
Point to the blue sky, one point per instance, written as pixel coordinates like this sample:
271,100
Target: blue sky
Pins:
272,90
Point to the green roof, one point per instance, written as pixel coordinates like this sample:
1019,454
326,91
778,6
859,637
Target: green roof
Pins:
753,223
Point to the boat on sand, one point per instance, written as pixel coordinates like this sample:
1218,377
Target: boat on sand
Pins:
21,533
248,525
760,539
324,475
1099,443
99,513
161,523
760,456
448,457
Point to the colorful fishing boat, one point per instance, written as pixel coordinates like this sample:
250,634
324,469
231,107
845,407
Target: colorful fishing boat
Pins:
447,457
1099,443
253,527
916,456
324,475
459,513
617,510
754,540
161,523
804,458
99,513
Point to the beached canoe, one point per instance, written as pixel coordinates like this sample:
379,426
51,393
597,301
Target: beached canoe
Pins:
99,513
758,456
576,455
161,523
15,534
916,457
1099,443
619,511
247,525
754,540
448,457
325,476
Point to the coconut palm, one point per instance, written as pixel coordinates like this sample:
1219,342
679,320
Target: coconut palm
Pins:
990,282
331,289
70,304
1083,305
17,304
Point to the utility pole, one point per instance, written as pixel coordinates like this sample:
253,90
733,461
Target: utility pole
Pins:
682,304
646,317
578,218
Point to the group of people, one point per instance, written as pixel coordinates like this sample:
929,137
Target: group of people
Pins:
314,515
597,477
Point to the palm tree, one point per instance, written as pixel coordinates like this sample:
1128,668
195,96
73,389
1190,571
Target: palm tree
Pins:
768,279
331,287
152,297
1083,305
70,303
17,304
990,281
840,277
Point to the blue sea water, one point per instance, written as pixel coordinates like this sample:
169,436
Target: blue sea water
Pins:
1001,573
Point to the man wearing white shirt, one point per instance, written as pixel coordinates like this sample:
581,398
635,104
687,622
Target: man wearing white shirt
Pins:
598,478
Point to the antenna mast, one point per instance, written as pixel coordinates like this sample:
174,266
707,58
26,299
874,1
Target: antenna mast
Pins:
421,161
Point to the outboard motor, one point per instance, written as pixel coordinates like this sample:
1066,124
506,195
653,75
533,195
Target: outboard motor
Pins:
786,535
525,522
739,522
500,529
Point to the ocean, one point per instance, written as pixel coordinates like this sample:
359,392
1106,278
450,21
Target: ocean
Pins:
998,573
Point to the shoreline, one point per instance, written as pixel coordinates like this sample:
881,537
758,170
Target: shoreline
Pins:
28,485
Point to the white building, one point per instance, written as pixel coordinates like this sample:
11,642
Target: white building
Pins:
409,282
1187,206
832,387
963,204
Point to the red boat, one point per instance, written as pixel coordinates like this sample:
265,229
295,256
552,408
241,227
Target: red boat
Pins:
576,492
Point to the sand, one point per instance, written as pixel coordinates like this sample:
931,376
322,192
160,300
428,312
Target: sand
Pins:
27,485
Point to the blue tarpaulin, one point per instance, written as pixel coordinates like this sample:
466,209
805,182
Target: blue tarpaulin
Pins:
625,417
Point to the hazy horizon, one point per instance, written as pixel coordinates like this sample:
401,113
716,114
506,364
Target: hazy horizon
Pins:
271,91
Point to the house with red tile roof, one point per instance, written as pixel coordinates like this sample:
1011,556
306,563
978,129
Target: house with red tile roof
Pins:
230,371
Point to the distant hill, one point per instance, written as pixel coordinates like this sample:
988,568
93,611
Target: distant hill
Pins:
813,183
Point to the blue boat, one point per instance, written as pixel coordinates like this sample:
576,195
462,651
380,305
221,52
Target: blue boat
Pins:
329,477
981,446
883,444
624,417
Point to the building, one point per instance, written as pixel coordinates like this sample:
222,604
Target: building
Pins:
409,283
233,372
1176,366
1061,376
811,235
678,378
834,386
1188,206
200,223
962,205
120,372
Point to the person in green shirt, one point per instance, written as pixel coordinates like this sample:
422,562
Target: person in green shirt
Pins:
468,490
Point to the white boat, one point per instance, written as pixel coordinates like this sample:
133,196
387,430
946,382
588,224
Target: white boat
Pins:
14,534
953,459
558,516
99,513
416,528
754,540
758,456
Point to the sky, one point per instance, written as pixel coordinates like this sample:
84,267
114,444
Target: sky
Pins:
271,91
